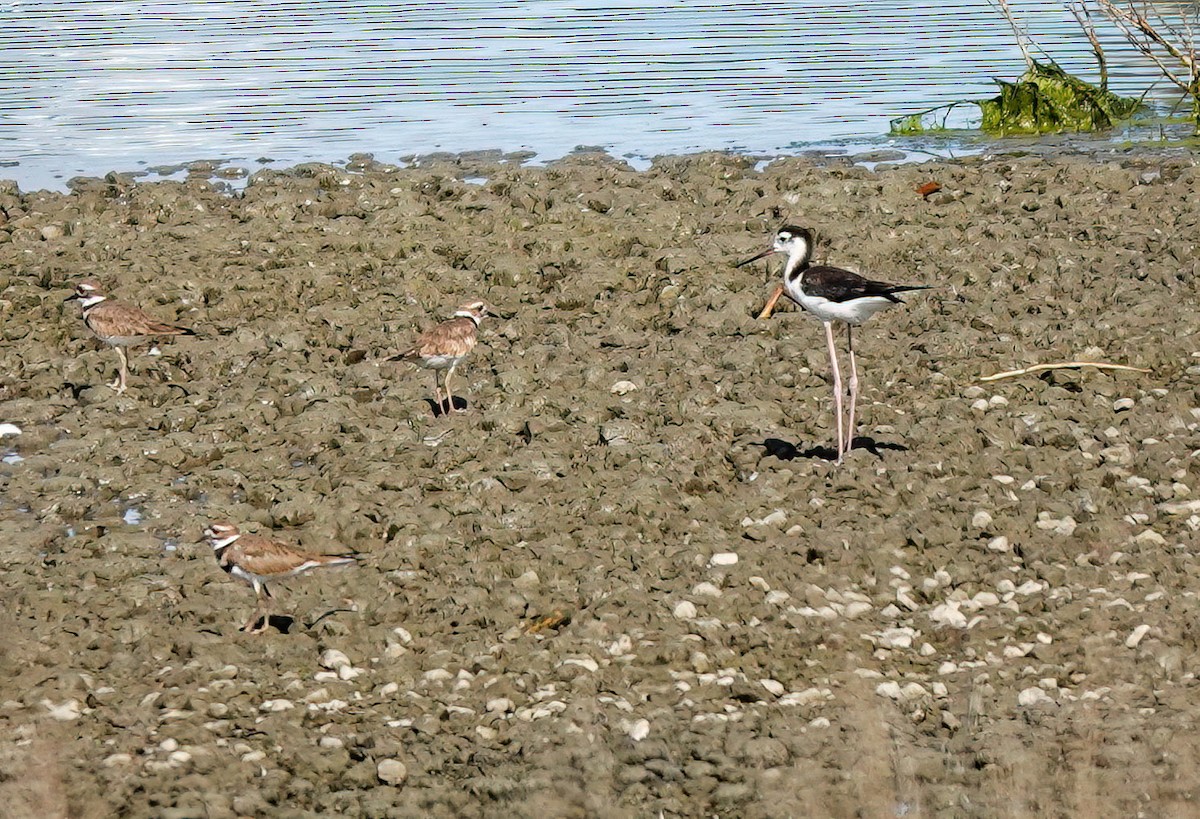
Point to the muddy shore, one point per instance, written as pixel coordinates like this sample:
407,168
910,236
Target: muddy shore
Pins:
627,581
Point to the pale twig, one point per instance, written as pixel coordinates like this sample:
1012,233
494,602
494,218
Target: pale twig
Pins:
1017,31
1064,365
1082,16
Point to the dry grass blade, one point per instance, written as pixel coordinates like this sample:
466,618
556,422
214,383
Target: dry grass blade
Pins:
1063,365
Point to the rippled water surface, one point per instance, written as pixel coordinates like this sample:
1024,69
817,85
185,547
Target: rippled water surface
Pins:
87,87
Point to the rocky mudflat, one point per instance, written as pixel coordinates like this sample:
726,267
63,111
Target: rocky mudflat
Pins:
627,581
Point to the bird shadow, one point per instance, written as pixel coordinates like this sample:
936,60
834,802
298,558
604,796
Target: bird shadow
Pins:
280,622
439,410
787,451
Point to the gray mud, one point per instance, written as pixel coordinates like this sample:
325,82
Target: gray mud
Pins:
989,610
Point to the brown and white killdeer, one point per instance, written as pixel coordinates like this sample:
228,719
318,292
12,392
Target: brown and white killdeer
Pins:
119,325
443,346
831,294
256,559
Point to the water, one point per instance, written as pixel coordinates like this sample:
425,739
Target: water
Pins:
88,87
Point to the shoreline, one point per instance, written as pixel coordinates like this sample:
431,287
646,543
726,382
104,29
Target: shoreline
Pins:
233,173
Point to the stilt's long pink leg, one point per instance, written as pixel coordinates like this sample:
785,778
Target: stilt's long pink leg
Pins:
837,389
853,387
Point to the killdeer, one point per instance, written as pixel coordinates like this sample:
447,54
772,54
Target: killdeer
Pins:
831,294
256,559
443,346
119,325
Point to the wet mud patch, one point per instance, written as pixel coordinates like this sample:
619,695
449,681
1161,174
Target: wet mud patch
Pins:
627,580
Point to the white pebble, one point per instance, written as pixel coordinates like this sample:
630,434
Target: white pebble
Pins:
169,745
334,659
637,730
500,705
948,614
64,711
1034,696
1136,636
331,742
981,519
391,772
114,760
1190,507
622,387
179,758
723,559
348,672
774,686
1122,404
889,689
276,705
999,544
685,610
10,429
586,663
856,609
706,590
404,634
388,689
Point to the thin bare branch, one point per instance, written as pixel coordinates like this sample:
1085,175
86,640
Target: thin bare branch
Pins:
1084,17
1155,37
1017,31
1064,365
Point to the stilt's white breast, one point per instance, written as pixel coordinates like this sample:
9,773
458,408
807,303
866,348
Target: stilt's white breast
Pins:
854,311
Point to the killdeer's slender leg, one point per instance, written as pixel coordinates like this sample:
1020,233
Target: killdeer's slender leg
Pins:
122,371
450,395
437,391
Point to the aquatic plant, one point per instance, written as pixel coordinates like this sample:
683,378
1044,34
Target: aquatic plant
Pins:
1045,99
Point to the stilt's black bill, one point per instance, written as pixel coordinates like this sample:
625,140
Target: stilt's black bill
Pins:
766,252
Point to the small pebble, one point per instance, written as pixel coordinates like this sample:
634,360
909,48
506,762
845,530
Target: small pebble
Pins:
334,659
391,772
723,559
1136,636
685,610
637,730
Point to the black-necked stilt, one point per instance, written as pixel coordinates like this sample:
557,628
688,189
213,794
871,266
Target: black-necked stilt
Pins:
831,294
